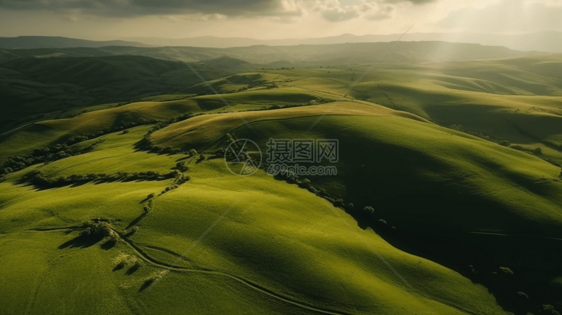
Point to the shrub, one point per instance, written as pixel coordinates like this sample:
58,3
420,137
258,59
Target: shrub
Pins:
537,151
505,272
339,203
123,260
192,152
369,211
305,182
126,131
181,166
150,196
156,276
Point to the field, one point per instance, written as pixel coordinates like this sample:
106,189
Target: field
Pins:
127,206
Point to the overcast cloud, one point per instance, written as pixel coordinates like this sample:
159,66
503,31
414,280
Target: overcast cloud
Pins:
331,10
270,19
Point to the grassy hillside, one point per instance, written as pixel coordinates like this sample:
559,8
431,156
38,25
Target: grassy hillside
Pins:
280,249
424,179
517,100
43,86
47,131
465,224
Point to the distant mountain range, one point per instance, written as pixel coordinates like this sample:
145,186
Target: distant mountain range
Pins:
287,56
29,42
550,42
544,41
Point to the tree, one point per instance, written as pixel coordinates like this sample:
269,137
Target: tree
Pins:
181,166
369,211
505,271
192,152
537,151
339,203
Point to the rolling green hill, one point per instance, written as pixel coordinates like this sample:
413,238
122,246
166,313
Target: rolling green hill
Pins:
430,182
43,86
466,216
280,249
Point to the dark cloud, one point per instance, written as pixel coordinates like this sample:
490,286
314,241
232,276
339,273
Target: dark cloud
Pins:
151,7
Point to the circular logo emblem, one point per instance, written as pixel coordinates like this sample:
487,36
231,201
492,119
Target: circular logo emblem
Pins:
243,157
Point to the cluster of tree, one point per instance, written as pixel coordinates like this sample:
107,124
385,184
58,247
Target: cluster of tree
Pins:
47,154
169,188
180,166
37,178
98,228
181,178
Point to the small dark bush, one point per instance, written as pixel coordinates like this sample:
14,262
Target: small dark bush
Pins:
369,211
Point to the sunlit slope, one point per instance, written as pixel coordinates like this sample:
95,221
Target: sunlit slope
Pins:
48,132
206,130
500,205
450,179
279,250
519,99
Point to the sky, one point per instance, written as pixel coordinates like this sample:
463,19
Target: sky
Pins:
272,19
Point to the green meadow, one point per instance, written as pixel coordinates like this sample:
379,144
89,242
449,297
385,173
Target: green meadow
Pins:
127,206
